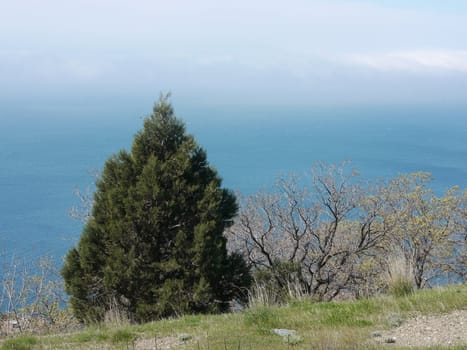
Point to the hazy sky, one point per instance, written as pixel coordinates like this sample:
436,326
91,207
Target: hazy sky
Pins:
236,52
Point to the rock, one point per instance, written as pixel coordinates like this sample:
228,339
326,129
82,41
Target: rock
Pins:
390,340
289,336
184,337
284,332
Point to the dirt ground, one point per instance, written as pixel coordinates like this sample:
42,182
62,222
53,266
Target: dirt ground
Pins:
447,329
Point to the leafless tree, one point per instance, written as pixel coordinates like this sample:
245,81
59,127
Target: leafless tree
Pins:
318,236
32,295
83,211
14,291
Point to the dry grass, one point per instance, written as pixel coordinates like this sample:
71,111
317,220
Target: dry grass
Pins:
399,277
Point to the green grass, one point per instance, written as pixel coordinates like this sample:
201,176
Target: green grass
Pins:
123,336
23,342
333,325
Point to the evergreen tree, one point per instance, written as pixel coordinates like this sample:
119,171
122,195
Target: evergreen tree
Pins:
154,246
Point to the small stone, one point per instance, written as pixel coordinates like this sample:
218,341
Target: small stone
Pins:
184,337
390,340
284,332
376,334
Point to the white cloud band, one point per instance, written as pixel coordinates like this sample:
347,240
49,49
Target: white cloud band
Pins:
413,61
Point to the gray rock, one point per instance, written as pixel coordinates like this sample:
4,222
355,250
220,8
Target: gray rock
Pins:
284,332
184,337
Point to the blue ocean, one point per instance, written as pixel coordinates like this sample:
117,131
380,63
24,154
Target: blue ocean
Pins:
47,152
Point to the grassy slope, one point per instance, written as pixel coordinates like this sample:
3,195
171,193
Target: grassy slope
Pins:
336,325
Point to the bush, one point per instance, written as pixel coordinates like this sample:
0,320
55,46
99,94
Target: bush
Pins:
154,244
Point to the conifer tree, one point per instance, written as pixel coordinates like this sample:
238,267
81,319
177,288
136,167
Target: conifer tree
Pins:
154,245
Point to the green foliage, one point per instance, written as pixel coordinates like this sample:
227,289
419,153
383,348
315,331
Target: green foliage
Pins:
425,226
24,342
154,246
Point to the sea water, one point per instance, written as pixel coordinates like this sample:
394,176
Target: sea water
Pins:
45,153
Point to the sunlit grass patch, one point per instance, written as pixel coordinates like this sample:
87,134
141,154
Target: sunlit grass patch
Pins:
21,342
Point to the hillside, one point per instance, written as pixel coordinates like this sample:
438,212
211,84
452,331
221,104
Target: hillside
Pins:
386,322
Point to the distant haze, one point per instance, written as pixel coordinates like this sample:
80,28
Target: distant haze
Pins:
311,52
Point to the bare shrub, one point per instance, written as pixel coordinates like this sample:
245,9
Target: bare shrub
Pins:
316,238
83,211
336,235
33,299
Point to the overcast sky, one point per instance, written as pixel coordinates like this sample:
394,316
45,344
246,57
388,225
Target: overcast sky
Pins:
316,52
